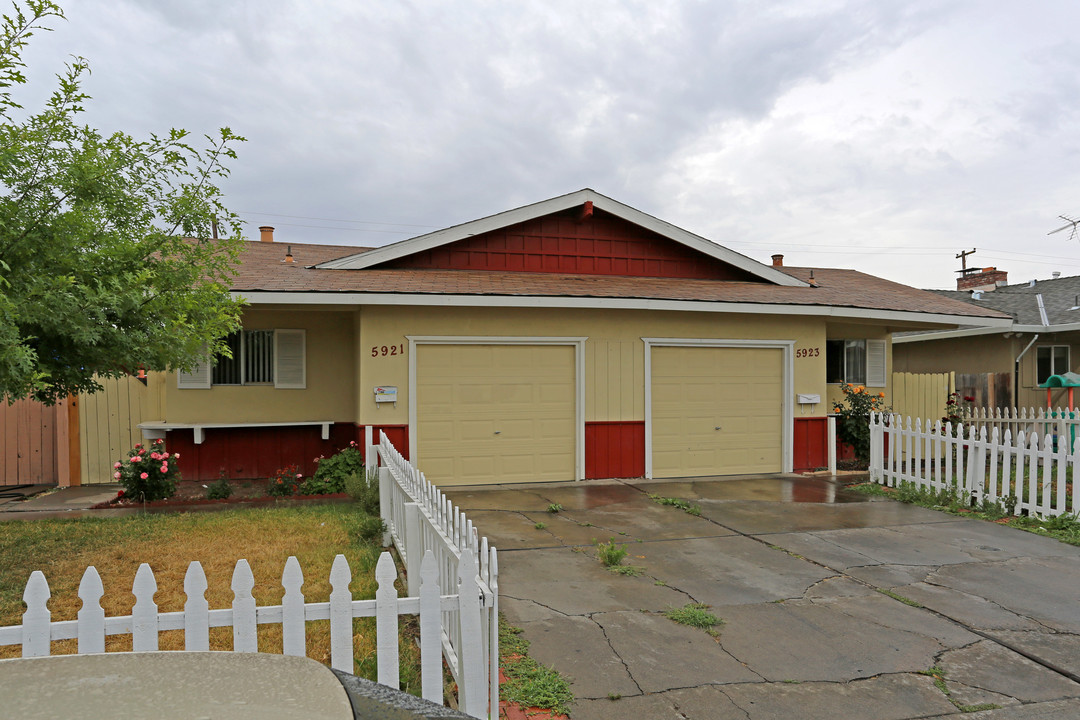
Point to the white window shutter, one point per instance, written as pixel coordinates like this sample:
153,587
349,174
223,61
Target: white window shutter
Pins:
197,379
290,367
875,363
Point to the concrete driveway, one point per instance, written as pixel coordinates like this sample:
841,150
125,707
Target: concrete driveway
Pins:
834,606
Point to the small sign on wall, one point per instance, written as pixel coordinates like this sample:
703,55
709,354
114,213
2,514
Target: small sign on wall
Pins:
385,394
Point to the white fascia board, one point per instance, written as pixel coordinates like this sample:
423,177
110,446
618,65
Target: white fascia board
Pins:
530,301
1045,329
547,207
950,334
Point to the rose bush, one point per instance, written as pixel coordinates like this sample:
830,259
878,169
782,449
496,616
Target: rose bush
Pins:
148,474
853,414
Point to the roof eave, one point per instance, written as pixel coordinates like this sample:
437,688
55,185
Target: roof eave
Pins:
439,238
548,301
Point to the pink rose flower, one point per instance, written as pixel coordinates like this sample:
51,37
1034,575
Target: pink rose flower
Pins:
165,467
138,445
299,475
134,459
164,456
176,456
144,476
116,464
154,456
116,475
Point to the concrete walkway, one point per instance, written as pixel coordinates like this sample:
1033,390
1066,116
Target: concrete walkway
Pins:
834,606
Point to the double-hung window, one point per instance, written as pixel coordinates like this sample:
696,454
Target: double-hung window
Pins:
259,357
859,362
1050,360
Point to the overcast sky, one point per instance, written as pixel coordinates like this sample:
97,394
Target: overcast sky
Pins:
883,135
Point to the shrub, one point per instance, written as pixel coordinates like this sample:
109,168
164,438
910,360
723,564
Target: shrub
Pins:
364,490
148,474
333,471
854,417
610,554
285,481
370,529
220,489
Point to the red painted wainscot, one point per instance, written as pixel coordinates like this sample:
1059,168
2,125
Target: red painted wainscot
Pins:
260,452
811,443
614,449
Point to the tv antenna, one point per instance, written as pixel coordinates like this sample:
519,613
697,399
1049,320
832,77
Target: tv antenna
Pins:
1071,227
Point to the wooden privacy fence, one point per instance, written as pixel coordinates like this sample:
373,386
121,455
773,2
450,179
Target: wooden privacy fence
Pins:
1026,473
33,442
421,520
921,394
145,622
109,425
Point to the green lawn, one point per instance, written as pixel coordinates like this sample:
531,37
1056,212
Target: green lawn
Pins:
62,549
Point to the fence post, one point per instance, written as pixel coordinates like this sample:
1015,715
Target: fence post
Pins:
385,501
430,640
371,455
830,442
473,695
413,556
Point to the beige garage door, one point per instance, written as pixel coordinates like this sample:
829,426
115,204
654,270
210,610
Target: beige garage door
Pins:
716,411
495,413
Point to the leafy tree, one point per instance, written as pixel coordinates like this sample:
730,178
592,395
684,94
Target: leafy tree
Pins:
104,265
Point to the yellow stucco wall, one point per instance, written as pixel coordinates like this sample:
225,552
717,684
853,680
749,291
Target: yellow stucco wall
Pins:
331,377
351,351
614,351
978,354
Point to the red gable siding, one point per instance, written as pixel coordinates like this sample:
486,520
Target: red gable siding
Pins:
601,244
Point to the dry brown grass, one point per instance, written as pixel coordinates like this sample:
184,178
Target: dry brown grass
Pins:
62,549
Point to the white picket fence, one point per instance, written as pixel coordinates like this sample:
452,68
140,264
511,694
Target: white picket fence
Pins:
1044,421
421,520
37,631
980,463
452,586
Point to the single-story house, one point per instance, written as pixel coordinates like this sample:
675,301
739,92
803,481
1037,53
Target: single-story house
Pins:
1002,366
573,338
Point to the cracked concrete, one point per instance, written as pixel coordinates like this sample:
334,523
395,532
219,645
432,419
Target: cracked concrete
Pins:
797,568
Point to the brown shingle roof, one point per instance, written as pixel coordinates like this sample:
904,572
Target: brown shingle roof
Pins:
262,270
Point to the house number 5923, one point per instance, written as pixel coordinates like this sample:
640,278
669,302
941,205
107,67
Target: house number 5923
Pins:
384,350
807,352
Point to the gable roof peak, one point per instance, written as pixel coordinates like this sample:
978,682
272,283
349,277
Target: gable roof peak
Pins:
557,204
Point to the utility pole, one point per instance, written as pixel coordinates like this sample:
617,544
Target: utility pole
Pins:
962,257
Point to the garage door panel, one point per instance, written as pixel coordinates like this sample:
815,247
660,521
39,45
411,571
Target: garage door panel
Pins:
695,390
526,393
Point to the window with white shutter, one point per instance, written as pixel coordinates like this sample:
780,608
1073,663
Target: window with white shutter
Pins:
197,379
290,370
875,364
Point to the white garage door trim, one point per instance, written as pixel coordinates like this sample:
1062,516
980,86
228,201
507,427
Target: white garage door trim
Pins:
578,343
788,350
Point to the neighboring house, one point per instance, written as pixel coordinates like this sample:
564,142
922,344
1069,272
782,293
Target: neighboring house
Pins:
1043,339
573,338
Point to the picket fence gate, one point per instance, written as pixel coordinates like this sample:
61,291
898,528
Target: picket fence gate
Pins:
981,463
37,631
421,520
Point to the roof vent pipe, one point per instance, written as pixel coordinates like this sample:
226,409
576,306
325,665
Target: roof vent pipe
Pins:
976,294
266,233
1031,283
1056,274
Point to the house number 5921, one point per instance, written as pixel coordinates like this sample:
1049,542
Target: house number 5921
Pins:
384,350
